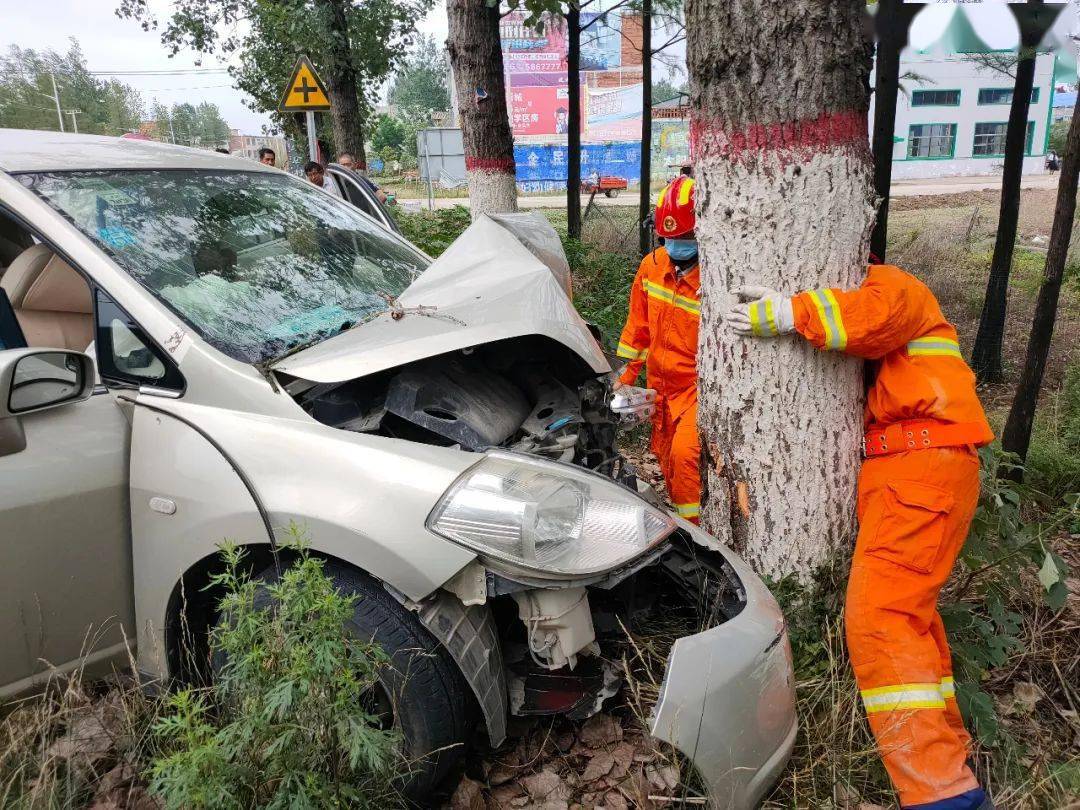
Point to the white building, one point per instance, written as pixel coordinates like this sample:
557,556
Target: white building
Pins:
953,117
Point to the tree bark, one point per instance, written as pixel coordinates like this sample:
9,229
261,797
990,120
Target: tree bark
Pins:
779,93
644,198
346,119
986,358
1017,435
892,21
573,130
476,57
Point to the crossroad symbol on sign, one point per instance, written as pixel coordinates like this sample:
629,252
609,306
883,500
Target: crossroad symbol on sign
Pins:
305,90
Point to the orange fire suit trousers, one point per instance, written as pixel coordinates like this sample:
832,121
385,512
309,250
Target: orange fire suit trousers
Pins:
675,444
914,512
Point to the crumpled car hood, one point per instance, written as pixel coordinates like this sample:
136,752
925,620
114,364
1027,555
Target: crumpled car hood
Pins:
487,286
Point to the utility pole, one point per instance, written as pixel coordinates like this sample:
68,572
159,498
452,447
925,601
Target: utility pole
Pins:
172,132
74,123
644,237
56,98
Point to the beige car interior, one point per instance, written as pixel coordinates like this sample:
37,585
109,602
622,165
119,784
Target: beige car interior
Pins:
51,301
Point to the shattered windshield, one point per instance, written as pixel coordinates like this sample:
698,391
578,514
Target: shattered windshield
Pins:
258,263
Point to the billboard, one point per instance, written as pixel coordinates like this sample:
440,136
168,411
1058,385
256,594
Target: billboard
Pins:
601,41
614,115
539,110
532,50
542,167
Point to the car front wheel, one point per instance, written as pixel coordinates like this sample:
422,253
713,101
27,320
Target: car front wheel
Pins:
421,694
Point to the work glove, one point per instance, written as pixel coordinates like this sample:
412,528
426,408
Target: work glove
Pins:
632,404
767,313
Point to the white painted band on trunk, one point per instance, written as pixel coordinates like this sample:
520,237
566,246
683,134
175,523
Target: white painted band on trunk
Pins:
784,418
491,192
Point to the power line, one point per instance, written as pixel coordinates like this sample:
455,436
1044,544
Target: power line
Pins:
165,89
170,72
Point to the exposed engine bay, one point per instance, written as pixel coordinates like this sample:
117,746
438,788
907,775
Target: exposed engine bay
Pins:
529,395
561,641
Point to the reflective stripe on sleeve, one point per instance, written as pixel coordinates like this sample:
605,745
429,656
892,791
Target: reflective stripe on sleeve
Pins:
902,697
762,318
934,347
828,310
687,510
630,353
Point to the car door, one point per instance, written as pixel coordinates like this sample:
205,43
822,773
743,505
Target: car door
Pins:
356,191
65,549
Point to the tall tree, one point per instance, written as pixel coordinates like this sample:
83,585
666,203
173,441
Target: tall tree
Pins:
573,123
1017,435
892,22
419,86
779,96
26,76
476,57
354,45
986,354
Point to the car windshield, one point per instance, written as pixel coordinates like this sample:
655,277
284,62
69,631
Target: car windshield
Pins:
258,263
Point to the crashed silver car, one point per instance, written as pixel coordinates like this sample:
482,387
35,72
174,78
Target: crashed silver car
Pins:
196,347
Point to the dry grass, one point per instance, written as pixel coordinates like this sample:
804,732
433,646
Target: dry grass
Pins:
78,743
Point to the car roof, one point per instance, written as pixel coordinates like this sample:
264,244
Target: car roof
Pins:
29,150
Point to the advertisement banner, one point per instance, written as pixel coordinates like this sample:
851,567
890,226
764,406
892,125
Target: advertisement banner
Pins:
670,147
532,50
536,80
601,41
614,115
534,63
539,110
542,167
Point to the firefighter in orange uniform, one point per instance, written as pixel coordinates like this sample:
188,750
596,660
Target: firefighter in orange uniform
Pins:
918,490
662,332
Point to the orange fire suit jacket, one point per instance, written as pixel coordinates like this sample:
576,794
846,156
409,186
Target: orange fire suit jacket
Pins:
893,318
662,327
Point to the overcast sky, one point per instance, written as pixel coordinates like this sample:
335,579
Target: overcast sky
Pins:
114,44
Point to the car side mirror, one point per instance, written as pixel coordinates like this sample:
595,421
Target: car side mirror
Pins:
35,380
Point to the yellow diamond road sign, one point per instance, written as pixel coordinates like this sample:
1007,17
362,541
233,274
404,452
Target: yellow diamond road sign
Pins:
305,90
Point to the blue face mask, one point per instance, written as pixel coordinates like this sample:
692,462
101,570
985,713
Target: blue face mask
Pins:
681,249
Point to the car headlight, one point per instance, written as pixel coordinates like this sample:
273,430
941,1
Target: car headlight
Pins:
547,517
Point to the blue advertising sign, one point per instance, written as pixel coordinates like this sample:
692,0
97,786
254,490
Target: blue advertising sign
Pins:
542,167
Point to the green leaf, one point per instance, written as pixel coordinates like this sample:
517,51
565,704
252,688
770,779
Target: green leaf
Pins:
1049,574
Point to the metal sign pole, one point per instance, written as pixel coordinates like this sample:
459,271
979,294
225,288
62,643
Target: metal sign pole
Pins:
312,138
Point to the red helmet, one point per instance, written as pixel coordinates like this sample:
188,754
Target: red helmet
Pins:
675,208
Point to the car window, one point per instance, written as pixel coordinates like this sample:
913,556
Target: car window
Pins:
255,262
125,354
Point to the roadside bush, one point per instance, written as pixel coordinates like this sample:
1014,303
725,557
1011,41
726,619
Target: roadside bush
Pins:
286,723
1053,462
433,231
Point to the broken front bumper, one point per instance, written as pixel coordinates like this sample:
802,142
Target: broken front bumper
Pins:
728,697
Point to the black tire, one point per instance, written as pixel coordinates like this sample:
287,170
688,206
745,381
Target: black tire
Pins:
612,193
429,697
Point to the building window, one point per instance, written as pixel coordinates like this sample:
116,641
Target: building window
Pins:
931,140
935,98
990,139
1003,95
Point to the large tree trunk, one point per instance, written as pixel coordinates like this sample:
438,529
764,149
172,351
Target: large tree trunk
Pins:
573,131
986,354
346,118
784,198
1017,435
892,22
644,196
476,57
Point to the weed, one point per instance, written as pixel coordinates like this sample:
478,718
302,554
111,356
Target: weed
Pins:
285,723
